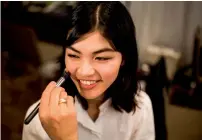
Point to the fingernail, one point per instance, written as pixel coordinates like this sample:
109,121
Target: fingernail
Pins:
53,83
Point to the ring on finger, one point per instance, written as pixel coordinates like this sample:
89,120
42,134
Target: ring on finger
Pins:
62,100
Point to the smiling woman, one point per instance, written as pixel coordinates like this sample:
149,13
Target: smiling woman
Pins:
93,64
100,53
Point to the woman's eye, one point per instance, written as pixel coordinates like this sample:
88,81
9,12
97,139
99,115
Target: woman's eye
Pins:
73,56
102,58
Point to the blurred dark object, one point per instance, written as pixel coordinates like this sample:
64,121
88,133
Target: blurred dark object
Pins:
156,79
21,44
197,56
185,91
49,25
186,87
11,10
21,82
6,132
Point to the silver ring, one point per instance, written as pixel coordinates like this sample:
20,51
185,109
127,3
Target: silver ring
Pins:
62,100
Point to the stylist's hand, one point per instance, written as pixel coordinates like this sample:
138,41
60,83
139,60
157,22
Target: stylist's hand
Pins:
58,120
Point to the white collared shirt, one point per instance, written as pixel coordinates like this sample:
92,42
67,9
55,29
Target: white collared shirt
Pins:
110,124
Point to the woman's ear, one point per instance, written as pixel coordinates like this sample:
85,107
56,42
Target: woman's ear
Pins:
123,62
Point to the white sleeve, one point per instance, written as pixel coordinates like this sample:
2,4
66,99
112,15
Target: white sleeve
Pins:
31,131
29,134
146,129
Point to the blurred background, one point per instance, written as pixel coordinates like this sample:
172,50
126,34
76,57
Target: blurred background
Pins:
170,67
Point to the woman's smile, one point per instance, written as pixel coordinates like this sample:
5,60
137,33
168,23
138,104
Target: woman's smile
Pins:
87,84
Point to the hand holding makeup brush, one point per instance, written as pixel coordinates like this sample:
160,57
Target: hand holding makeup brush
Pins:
57,113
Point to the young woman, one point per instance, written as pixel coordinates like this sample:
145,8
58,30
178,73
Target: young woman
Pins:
101,56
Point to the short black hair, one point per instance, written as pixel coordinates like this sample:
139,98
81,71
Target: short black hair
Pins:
114,22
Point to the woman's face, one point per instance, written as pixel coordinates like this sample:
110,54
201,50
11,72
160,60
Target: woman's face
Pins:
93,64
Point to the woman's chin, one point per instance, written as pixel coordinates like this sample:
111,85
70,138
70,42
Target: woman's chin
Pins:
89,96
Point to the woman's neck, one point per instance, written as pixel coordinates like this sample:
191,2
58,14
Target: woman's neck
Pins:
95,103
93,107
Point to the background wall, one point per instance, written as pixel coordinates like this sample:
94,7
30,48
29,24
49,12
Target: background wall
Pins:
166,23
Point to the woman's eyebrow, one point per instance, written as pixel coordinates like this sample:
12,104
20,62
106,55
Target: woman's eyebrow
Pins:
73,49
103,50
94,53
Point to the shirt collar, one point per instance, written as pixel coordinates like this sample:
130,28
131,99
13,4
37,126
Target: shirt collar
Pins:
105,105
84,119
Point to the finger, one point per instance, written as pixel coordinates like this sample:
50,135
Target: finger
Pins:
70,103
44,102
63,106
54,99
66,70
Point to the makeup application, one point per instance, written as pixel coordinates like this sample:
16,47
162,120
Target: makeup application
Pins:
36,109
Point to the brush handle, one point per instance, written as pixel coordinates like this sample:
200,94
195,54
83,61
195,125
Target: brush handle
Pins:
36,109
32,114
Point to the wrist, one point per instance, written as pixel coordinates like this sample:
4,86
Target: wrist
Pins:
73,137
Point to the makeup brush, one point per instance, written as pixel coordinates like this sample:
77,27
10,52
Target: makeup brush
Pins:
36,109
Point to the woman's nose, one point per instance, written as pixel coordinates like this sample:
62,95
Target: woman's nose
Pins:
85,70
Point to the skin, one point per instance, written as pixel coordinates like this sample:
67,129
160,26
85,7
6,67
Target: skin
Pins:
89,58
56,117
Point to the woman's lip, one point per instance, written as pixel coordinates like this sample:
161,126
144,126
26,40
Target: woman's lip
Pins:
84,86
87,80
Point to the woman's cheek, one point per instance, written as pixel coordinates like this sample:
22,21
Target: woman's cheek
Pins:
109,69
70,66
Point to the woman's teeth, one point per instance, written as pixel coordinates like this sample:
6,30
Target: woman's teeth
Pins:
87,82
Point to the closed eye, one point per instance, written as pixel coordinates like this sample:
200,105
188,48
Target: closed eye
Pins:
72,56
103,58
